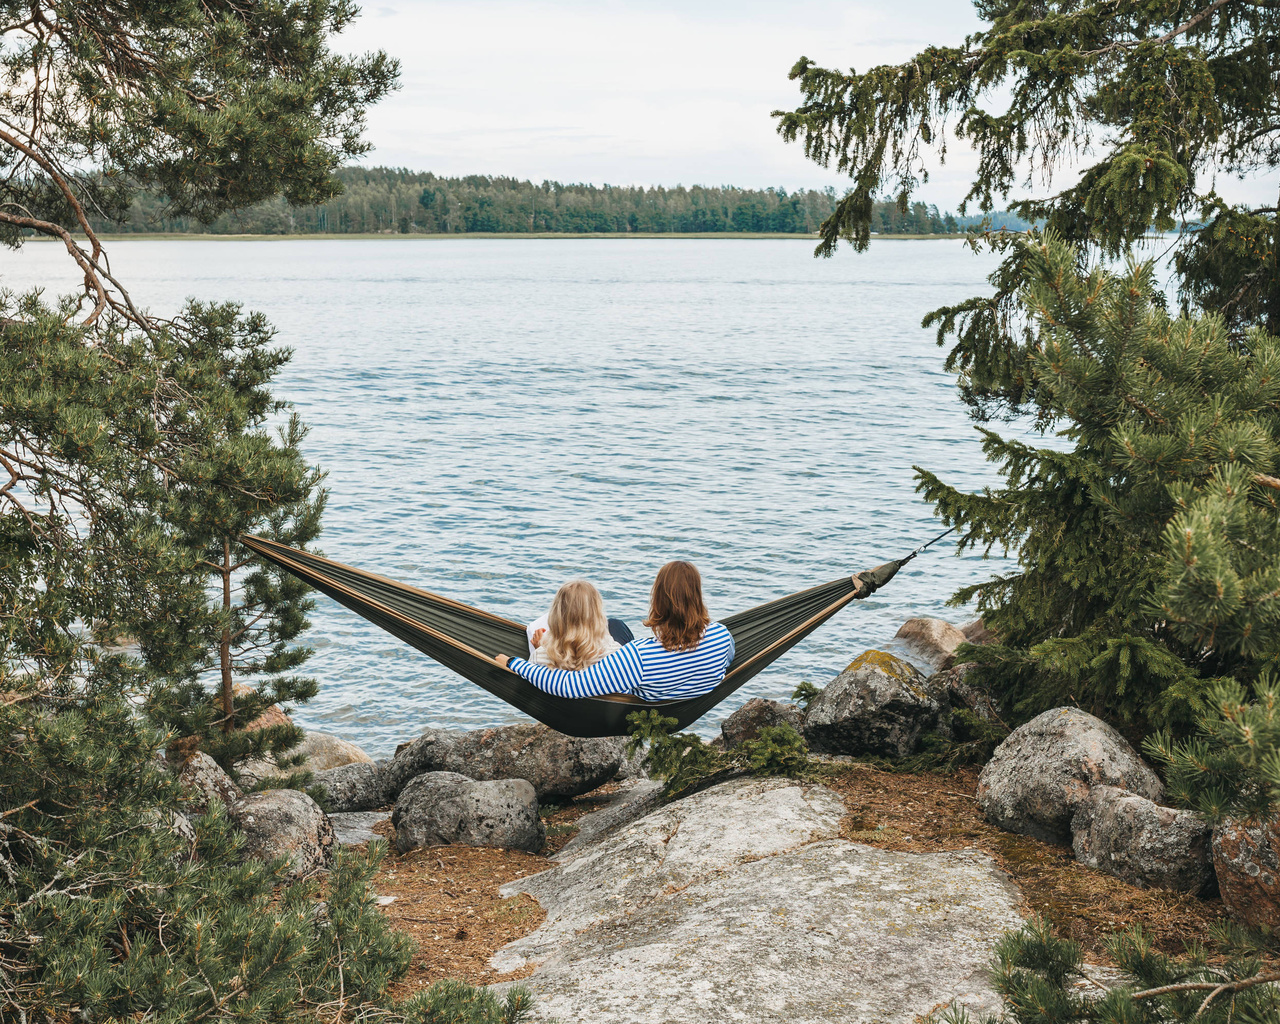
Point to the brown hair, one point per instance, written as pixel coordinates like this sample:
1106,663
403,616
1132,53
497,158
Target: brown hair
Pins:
576,627
677,614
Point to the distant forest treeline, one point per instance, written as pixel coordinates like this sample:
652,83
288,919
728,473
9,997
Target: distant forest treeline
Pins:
390,200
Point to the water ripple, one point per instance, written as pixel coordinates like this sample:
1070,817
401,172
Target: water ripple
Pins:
498,416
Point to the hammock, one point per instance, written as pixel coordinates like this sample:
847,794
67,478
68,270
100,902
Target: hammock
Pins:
466,639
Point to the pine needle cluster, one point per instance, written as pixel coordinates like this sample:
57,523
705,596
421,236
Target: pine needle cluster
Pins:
1040,977
684,763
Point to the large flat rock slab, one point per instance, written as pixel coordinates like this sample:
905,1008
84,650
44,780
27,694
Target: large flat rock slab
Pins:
741,903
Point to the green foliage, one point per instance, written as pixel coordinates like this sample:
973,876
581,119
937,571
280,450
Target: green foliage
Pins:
136,455
108,909
1148,102
1231,767
1147,541
135,449
211,106
396,201
454,1002
685,763
1035,972
805,694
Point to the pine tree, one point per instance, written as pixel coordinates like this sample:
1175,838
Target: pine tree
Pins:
1153,99
134,446
1147,542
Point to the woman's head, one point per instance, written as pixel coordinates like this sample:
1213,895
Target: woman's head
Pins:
677,614
576,626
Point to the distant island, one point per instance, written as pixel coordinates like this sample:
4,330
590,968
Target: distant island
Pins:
384,200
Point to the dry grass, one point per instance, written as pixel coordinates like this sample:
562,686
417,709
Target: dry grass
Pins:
447,897
926,813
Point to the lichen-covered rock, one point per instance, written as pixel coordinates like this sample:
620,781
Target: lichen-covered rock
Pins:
553,763
285,823
439,808
355,827
1150,846
632,766
324,751
932,640
756,714
203,782
359,786
254,771
1246,859
176,824
743,903
878,705
1040,774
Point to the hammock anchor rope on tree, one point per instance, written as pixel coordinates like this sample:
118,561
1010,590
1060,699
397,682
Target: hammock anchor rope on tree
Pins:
466,639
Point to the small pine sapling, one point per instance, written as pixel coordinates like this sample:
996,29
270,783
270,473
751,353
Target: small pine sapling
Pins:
805,694
684,763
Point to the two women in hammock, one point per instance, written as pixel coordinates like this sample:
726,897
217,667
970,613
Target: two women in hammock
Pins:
687,655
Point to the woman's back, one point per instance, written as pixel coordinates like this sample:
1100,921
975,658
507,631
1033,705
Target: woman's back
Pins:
644,669
670,675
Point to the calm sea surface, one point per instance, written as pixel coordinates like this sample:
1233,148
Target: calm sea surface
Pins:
499,416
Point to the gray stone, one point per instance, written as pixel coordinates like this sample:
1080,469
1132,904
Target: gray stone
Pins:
1147,845
1246,859
254,771
621,809
976,632
323,751
932,640
439,808
204,783
878,705
553,763
285,823
178,825
756,714
358,786
632,766
740,903
355,827
1040,774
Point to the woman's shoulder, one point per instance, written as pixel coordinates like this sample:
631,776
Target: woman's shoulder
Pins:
717,631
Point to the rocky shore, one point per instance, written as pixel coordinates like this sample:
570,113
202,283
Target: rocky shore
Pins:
768,897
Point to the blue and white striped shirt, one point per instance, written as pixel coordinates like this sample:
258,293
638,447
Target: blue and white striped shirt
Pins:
642,668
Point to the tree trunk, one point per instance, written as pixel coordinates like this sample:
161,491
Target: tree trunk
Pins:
228,696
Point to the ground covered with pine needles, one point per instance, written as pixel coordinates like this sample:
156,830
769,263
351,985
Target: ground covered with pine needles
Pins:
447,897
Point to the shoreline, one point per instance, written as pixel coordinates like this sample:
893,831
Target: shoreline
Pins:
177,236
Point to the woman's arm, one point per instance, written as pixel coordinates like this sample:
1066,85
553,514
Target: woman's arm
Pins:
620,672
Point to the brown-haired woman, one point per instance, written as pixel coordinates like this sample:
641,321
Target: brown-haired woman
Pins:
687,655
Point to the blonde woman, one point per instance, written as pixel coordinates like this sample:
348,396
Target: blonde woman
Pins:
576,633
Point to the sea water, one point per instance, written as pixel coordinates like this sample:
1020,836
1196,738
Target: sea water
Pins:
499,416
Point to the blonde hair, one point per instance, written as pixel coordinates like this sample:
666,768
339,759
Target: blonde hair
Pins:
576,627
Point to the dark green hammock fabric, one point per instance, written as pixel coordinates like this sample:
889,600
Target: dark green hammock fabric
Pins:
466,639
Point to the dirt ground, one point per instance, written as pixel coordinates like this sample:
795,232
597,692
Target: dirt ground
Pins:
447,897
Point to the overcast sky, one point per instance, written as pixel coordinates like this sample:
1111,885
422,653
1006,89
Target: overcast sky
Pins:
631,92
